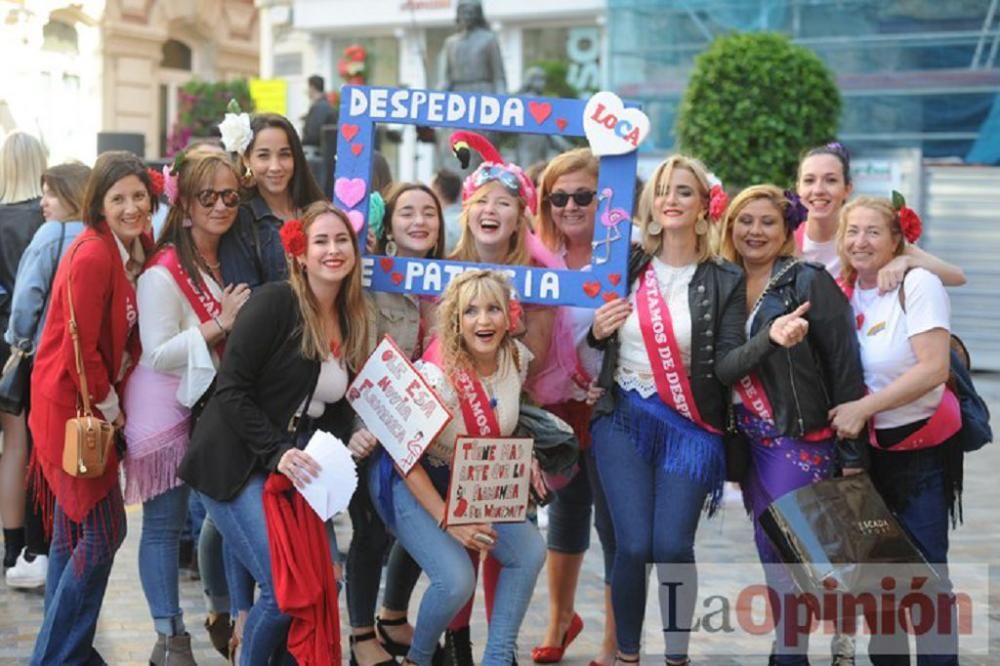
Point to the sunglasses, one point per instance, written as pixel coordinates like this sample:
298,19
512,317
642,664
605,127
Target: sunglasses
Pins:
207,198
488,174
560,199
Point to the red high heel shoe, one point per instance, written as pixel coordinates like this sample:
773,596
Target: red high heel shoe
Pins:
554,654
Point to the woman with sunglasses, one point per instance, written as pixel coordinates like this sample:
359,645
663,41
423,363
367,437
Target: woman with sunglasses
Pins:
185,314
568,206
279,186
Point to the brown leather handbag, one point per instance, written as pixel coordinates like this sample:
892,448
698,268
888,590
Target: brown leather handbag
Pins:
88,438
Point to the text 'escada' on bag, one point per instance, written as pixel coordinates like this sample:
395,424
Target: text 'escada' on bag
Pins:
88,438
838,534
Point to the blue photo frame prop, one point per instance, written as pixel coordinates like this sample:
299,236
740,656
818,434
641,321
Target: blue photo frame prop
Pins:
362,107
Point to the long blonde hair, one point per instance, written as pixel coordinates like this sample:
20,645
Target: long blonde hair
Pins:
879,205
572,161
653,243
351,306
517,254
461,291
767,192
22,162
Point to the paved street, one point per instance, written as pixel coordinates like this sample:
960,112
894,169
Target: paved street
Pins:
125,633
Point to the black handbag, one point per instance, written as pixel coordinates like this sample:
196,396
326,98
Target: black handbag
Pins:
839,534
14,383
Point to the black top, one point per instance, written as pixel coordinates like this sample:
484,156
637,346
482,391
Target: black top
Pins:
717,300
18,224
262,383
320,113
824,370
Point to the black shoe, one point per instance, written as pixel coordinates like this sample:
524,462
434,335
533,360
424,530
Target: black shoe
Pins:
395,648
361,638
458,647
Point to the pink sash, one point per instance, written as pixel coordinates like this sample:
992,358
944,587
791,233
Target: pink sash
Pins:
943,424
672,383
754,397
203,303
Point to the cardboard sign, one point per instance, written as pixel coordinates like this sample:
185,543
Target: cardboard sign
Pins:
362,107
397,404
490,477
612,129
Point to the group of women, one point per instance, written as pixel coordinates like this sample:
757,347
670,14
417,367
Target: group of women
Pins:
794,321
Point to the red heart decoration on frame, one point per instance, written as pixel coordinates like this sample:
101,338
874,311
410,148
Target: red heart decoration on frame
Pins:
349,131
561,123
357,148
592,289
539,111
615,278
386,263
396,278
609,296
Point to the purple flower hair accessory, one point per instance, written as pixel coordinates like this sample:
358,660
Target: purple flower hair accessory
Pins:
795,213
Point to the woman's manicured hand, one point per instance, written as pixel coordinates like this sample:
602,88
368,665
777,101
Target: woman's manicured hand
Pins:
298,466
609,317
361,444
790,329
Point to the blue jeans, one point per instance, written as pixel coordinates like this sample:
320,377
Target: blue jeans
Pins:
924,516
570,511
163,519
244,529
212,564
520,550
655,516
76,580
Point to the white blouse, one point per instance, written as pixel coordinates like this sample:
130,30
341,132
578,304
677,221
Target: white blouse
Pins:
330,386
634,371
171,336
504,386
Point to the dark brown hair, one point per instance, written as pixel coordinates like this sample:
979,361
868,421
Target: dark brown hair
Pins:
392,198
302,186
109,168
67,182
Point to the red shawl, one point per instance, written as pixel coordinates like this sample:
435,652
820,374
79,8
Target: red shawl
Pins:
302,571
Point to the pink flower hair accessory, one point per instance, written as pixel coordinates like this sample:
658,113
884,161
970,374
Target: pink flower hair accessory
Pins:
717,201
514,314
170,183
909,221
155,181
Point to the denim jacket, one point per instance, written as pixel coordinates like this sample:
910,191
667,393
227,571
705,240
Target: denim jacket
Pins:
33,283
251,250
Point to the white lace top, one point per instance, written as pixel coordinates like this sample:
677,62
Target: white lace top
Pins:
504,386
634,371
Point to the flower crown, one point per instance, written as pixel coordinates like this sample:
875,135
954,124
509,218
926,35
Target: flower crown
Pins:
718,201
493,168
909,221
795,212
235,128
293,238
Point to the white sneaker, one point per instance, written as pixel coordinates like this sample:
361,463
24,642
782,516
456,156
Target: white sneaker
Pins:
28,575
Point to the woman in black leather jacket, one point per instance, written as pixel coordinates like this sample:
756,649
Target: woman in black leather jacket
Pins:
782,396
657,430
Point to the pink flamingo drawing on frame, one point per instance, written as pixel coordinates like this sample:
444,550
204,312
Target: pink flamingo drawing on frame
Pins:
610,218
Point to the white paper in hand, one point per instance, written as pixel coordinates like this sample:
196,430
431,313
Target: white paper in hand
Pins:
331,491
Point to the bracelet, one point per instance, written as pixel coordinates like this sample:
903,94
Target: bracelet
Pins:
222,329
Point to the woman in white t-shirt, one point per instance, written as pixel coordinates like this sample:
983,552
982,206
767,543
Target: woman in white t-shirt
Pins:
916,460
824,184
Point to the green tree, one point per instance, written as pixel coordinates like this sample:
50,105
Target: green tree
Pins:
754,102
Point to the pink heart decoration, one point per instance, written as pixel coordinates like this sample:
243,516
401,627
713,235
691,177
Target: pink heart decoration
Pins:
349,131
539,111
357,220
350,190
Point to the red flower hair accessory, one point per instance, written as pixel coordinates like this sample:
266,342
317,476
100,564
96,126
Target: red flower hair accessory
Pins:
514,314
909,221
717,202
155,181
293,237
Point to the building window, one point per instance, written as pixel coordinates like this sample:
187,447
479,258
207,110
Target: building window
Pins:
176,55
60,37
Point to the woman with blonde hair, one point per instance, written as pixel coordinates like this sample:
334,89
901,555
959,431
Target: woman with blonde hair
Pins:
568,204
782,398
22,161
289,358
657,428
475,320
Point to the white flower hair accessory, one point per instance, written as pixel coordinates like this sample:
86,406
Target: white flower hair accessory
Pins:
235,129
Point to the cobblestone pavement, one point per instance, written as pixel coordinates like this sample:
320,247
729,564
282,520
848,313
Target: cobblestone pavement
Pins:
125,634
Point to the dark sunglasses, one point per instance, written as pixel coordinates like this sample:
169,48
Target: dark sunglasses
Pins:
207,198
560,199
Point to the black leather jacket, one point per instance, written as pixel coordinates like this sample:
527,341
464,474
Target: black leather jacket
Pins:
822,371
717,298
